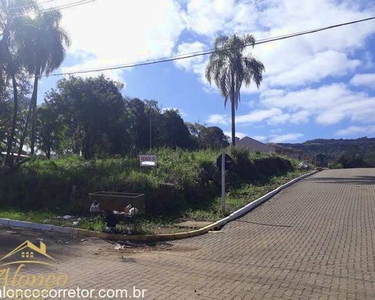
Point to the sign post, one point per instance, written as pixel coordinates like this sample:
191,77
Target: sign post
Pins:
147,160
223,162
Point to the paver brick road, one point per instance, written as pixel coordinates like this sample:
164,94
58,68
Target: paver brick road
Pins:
314,240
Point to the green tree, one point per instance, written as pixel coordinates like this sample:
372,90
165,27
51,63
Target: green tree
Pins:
229,67
212,137
47,42
172,131
140,123
14,30
49,128
90,110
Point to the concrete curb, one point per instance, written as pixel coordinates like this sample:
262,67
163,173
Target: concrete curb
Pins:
154,238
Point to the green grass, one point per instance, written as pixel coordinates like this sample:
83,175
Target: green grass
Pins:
236,198
30,216
185,185
239,197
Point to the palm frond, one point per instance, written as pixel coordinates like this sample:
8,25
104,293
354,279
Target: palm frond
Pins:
254,72
249,40
228,67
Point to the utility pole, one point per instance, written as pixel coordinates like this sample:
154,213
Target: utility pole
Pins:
223,182
150,128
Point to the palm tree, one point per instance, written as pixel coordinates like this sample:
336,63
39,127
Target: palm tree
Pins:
47,52
13,27
228,67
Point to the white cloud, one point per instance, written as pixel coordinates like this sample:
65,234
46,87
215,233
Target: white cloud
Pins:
367,80
275,138
300,117
210,17
218,119
329,104
272,116
260,138
195,64
190,64
315,68
356,130
258,116
122,31
290,137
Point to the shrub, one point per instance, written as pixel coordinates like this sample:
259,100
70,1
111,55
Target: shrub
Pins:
182,180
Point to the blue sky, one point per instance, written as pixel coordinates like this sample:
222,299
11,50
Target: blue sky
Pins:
316,86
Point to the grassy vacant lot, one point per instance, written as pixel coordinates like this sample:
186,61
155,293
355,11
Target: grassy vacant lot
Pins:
184,186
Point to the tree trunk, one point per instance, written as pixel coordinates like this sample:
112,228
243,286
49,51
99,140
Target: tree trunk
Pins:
24,132
233,108
8,160
34,98
233,111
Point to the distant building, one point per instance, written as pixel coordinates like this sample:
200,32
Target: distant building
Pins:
255,145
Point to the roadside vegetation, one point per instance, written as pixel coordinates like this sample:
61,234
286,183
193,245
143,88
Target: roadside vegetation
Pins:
184,186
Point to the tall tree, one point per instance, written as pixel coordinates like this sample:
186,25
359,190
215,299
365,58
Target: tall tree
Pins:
50,129
91,110
229,67
172,131
14,28
212,137
48,42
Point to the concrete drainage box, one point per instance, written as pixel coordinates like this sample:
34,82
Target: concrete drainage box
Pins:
110,201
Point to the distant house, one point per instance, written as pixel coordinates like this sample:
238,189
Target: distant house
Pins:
255,145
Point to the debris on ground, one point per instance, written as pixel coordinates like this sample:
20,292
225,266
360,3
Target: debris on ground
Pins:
14,232
304,166
128,243
63,242
67,217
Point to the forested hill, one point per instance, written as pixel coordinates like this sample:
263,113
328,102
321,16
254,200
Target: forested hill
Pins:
363,147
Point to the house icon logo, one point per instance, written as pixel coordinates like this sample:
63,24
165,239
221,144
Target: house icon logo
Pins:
27,253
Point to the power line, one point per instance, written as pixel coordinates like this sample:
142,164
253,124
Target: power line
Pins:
69,5
207,52
61,7
29,6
